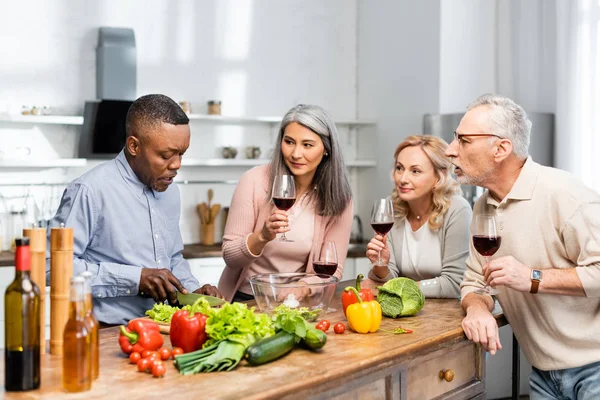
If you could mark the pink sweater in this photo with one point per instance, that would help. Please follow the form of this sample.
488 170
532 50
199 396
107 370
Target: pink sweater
249 209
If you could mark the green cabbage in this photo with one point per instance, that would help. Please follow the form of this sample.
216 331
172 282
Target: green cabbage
400 297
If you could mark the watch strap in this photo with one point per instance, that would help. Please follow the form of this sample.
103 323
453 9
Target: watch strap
535 284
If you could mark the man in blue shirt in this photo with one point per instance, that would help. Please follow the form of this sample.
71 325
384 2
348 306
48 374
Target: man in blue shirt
125 217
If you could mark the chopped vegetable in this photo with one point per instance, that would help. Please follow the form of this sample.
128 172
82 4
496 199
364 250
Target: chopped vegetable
291 301
399 330
364 316
400 297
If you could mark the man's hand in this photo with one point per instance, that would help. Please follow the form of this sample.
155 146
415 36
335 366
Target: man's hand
480 326
209 290
160 284
508 272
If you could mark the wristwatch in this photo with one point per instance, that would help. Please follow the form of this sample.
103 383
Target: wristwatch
536 278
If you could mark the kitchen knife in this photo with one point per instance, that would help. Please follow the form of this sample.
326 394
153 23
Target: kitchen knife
190 298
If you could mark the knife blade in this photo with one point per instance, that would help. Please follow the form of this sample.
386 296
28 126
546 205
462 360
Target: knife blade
190 298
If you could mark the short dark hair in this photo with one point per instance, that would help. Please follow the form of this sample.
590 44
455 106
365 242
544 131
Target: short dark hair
151 110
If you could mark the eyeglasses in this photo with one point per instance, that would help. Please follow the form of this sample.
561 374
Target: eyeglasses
459 137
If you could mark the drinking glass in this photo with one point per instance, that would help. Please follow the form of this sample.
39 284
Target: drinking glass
325 262
487 242
325 259
382 220
284 196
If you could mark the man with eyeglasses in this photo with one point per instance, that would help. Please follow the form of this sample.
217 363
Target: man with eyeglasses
547 269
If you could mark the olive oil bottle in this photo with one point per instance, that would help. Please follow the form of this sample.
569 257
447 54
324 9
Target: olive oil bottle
22 325
77 350
92 323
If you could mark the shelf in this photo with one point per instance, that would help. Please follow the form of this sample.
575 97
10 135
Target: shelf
43 119
51 163
186 162
262 120
78 120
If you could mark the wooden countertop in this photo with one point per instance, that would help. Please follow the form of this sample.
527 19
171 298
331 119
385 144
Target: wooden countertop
198 251
301 373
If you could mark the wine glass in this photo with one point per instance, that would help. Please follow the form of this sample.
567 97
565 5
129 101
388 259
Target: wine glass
487 242
284 196
325 259
382 220
325 262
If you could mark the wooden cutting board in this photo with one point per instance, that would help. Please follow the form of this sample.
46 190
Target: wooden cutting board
163 326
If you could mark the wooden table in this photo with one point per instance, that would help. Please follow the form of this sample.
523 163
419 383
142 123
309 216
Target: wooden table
370 366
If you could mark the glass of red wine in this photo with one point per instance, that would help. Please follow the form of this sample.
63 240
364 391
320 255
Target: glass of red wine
325 259
487 242
382 220
284 196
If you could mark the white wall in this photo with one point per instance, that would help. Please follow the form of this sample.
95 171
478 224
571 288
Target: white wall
467 52
258 57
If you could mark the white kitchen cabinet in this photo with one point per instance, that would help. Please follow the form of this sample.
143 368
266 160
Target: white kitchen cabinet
207 270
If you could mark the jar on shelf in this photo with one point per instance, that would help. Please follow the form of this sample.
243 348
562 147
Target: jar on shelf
214 107
186 106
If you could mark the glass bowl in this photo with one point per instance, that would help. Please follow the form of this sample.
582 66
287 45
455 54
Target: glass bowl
313 291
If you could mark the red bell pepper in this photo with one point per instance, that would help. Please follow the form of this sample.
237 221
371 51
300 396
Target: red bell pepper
140 335
348 297
188 330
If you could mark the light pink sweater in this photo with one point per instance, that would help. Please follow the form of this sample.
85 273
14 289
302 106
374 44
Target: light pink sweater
249 209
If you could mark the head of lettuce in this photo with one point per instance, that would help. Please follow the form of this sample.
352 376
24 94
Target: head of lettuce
400 297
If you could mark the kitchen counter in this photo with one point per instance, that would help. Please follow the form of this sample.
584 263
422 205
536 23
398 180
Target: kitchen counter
374 366
355 250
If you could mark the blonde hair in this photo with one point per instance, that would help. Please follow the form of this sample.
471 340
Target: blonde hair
444 189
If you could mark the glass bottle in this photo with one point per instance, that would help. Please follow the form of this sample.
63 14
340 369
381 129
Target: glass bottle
92 323
77 374
22 325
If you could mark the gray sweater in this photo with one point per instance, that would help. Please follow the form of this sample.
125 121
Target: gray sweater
454 241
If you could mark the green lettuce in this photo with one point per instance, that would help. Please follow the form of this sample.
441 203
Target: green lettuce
400 297
237 323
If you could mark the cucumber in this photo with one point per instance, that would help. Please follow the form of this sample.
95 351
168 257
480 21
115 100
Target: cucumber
315 339
271 348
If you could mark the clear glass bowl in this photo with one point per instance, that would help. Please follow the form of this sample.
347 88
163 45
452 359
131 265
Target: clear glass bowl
313 291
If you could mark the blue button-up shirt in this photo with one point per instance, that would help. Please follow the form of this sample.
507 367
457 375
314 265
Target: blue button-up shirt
121 226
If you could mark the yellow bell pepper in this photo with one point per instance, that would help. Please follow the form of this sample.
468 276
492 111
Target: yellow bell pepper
364 316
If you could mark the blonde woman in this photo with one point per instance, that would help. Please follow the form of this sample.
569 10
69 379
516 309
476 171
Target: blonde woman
430 238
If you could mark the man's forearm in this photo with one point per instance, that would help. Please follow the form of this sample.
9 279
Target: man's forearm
561 281
477 300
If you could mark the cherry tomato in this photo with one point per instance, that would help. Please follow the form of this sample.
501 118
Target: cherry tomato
145 353
158 369
176 351
326 324
339 328
143 364
165 353
135 357
321 327
153 355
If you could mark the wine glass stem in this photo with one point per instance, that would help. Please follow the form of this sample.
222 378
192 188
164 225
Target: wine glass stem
487 261
379 260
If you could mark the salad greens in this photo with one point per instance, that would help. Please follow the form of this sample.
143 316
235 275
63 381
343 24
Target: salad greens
161 312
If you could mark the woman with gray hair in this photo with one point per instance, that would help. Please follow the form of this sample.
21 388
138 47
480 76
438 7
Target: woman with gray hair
307 148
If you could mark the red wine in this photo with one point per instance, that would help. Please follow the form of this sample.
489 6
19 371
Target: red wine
22 369
323 267
382 227
486 245
284 203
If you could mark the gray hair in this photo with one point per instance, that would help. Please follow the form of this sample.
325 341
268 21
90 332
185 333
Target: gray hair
508 120
333 191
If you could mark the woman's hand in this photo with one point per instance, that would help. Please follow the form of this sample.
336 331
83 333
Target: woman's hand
377 244
276 223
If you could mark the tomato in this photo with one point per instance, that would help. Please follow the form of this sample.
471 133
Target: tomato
176 351
153 355
145 353
339 328
326 324
165 353
158 369
134 357
321 327
143 364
